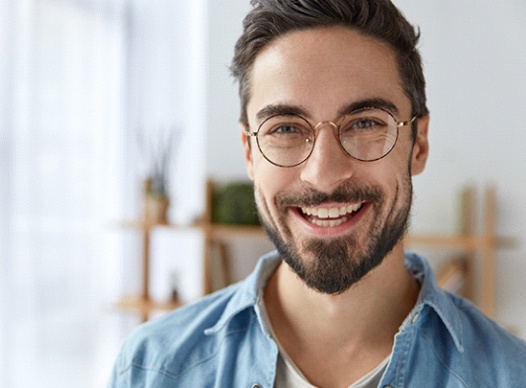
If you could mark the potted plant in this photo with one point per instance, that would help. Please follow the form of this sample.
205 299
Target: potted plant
158 154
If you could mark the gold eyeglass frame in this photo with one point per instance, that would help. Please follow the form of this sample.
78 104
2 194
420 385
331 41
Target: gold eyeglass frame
314 128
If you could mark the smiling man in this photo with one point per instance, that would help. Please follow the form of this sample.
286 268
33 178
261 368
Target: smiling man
334 126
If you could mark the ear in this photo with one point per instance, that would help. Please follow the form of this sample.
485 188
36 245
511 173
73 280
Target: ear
247 146
421 146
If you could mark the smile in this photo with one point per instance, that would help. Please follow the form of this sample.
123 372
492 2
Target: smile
330 217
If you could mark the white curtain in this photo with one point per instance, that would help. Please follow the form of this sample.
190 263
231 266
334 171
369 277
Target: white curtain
62 153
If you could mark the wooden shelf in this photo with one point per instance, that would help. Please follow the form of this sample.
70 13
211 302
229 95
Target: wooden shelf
144 307
216 230
465 243
220 232
141 225
225 231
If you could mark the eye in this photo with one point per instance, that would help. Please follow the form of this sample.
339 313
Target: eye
364 124
286 129
285 126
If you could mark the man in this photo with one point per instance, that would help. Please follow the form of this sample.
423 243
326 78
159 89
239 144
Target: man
334 125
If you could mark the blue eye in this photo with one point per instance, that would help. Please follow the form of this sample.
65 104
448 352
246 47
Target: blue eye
285 126
365 124
285 129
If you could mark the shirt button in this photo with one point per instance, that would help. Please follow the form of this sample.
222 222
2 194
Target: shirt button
388 386
257 386
415 318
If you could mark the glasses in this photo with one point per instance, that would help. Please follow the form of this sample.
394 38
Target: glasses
366 134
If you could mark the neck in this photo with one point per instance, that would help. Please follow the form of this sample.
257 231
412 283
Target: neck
360 323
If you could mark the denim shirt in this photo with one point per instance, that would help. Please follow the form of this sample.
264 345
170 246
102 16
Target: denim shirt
222 341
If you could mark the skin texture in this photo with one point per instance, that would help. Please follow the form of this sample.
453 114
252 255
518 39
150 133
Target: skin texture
329 299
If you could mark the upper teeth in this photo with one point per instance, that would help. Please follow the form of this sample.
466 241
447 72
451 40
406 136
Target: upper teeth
333 212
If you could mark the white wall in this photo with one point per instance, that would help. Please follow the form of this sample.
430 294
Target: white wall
475 56
224 158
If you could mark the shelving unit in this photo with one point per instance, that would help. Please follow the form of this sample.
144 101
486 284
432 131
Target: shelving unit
475 249
467 241
142 303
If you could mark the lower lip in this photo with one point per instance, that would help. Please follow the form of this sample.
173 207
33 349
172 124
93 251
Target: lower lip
332 231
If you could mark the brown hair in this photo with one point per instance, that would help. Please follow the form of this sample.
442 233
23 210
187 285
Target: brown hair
380 19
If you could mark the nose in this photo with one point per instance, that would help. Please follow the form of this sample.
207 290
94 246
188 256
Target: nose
328 165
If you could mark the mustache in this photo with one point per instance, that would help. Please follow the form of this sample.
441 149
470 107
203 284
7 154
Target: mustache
345 193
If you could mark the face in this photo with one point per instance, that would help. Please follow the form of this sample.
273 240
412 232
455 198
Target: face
333 218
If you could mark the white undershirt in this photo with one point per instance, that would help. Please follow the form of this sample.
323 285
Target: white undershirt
288 375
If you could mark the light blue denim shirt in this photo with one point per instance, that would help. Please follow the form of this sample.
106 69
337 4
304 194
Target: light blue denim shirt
222 341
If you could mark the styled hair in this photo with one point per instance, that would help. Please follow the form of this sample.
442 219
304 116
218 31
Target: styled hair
380 19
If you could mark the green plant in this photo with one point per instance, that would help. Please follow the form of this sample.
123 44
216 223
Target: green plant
234 203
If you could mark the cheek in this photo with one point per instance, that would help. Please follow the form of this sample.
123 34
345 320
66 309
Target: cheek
269 181
397 166
393 174
400 183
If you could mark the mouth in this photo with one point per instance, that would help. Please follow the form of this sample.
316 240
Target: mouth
330 217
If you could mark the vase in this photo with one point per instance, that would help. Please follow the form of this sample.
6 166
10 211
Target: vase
156 209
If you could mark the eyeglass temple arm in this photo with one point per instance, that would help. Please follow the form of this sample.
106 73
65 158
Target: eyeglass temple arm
404 123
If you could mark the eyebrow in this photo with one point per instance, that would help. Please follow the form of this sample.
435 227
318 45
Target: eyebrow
370 103
281 109
286 110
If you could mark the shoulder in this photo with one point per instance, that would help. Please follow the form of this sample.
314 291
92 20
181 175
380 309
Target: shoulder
483 331
468 329
457 345
175 343
488 347
188 346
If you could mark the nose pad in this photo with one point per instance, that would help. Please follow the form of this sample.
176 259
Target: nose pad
329 164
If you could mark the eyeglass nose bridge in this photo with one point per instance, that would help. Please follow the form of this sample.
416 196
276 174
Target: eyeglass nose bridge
333 125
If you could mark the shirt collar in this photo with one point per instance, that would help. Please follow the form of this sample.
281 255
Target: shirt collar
251 291
433 296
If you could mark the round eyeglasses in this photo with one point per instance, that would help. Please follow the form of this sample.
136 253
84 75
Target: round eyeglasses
366 134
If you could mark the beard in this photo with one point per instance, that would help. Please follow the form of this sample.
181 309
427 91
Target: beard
337 264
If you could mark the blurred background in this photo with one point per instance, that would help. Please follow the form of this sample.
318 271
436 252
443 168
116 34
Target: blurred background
97 96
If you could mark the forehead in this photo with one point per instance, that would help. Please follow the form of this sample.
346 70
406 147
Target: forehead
323 70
